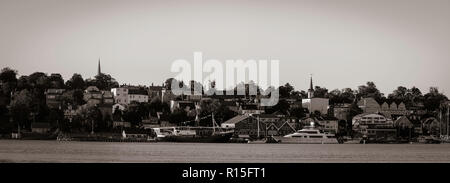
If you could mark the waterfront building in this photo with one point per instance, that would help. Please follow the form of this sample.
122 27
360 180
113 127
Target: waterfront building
121 124
374 125
40 127
405 128
369 105
431 126
247 126
231 123
392 110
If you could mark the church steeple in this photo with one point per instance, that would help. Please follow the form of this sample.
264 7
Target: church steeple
311 88
99 69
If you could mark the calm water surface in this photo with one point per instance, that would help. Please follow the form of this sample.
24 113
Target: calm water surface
54 151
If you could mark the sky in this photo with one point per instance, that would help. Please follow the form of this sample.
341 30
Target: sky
342 43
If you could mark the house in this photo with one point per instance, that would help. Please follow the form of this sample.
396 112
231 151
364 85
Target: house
119 107
70 112
155 91
341 111
232 122
250 109
53 98
40 127
247 126
121 124
125 95
405 128
139 95
369 105
104 100
182 104
431 126
93 96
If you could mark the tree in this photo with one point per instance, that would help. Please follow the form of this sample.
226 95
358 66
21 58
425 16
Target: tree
320 92
76 82
369 90
178 117
20 108
298 112
38 80
354 110
433 99
56 81
9 80
93 117
5 125
347 95
282 106
286 90
335 97
103 82
56 117
156 105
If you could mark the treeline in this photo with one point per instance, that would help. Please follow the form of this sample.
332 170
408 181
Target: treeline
23 100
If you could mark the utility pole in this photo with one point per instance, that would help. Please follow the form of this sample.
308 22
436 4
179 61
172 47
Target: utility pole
92 126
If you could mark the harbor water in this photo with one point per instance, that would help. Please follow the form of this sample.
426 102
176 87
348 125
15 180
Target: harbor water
71 151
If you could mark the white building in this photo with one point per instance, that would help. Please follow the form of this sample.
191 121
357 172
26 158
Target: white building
127 95
120 96
315 104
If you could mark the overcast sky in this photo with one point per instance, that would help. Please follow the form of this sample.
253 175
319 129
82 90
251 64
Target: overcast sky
343 43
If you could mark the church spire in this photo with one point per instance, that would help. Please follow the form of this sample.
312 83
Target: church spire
311 88
99 69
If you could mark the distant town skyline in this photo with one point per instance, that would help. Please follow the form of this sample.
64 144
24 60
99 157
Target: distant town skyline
343 44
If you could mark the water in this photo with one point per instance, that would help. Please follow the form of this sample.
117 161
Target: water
54 151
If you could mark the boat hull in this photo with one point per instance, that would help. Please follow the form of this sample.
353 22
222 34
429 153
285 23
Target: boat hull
217 138
290 140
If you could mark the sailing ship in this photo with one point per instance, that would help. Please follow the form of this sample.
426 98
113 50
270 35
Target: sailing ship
214 134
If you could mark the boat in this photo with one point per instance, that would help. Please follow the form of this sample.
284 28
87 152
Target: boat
309 135
428 140
349 140
267 140
214 134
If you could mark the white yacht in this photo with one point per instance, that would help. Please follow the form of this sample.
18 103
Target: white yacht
309 135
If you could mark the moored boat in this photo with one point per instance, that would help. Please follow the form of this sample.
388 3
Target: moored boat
214 134
309 135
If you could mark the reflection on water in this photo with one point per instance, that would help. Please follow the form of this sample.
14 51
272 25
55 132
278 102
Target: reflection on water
54 151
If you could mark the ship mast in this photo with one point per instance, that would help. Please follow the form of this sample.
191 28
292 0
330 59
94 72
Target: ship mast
213 123
258 125
440 121
448 113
